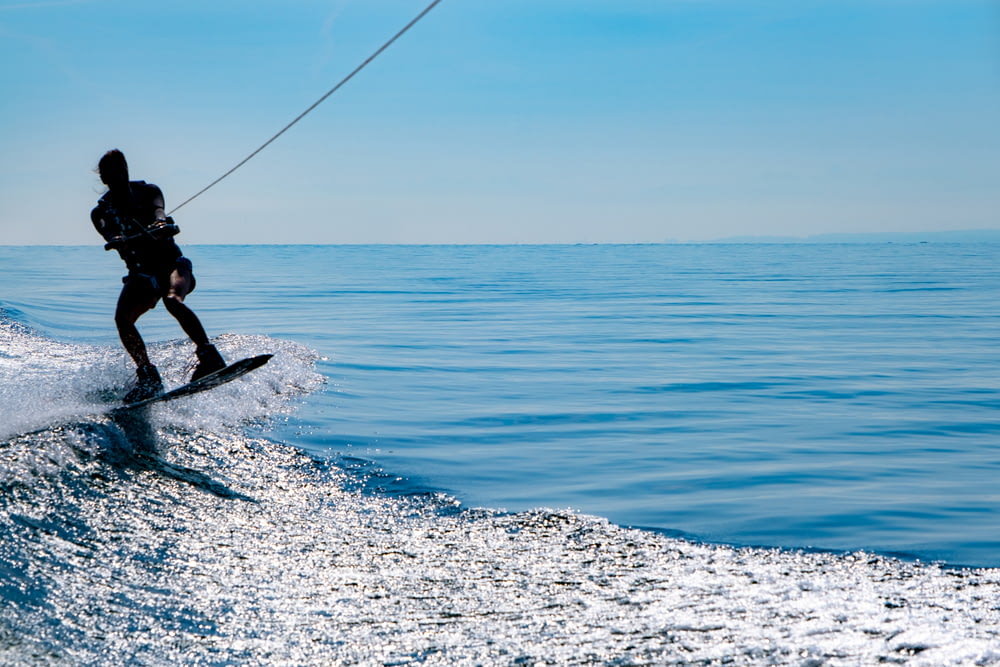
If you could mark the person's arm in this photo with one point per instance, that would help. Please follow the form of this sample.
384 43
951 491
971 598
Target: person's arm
111 232
159 212
164 226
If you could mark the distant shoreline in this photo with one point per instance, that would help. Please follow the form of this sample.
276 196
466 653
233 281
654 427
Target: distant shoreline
963 236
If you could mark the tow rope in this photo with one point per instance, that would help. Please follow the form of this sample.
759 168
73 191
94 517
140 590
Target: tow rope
313 106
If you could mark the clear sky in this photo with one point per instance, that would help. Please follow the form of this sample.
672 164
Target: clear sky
506 121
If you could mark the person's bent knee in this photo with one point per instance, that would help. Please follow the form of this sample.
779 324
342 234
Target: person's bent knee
173 301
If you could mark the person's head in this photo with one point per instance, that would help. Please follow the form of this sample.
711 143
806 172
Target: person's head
113 169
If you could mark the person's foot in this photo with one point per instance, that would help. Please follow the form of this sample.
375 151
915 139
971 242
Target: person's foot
148 384
209 361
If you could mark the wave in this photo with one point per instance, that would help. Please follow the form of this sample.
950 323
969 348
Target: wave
184 537
45 382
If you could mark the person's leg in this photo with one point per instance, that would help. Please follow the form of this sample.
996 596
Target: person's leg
181 282
137 297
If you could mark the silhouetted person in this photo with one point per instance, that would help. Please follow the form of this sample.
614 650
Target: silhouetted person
130 216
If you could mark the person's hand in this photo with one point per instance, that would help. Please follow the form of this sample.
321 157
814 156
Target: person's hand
115 243
165 228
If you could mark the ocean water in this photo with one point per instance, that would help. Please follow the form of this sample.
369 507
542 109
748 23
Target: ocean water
498 455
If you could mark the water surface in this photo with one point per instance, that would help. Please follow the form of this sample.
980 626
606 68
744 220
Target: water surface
324 508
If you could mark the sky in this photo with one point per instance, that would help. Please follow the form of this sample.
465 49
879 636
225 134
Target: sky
513 121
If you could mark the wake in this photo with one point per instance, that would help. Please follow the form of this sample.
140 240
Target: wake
47 384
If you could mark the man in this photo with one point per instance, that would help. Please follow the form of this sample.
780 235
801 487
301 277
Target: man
130 216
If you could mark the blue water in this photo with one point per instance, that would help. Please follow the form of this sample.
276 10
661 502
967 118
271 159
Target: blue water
831 398
795 395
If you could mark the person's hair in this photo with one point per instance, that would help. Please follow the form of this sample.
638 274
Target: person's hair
112 158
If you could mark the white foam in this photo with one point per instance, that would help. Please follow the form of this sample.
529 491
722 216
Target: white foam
45 383
291 568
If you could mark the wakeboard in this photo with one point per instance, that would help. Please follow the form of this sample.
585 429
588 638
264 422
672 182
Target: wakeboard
210 381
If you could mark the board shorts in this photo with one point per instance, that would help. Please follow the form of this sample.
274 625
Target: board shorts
159 282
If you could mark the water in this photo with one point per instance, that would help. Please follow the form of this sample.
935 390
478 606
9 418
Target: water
510 455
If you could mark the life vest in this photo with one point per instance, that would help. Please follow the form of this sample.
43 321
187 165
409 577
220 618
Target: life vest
145 253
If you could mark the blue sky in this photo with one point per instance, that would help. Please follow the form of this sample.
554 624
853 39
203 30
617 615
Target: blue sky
518 121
